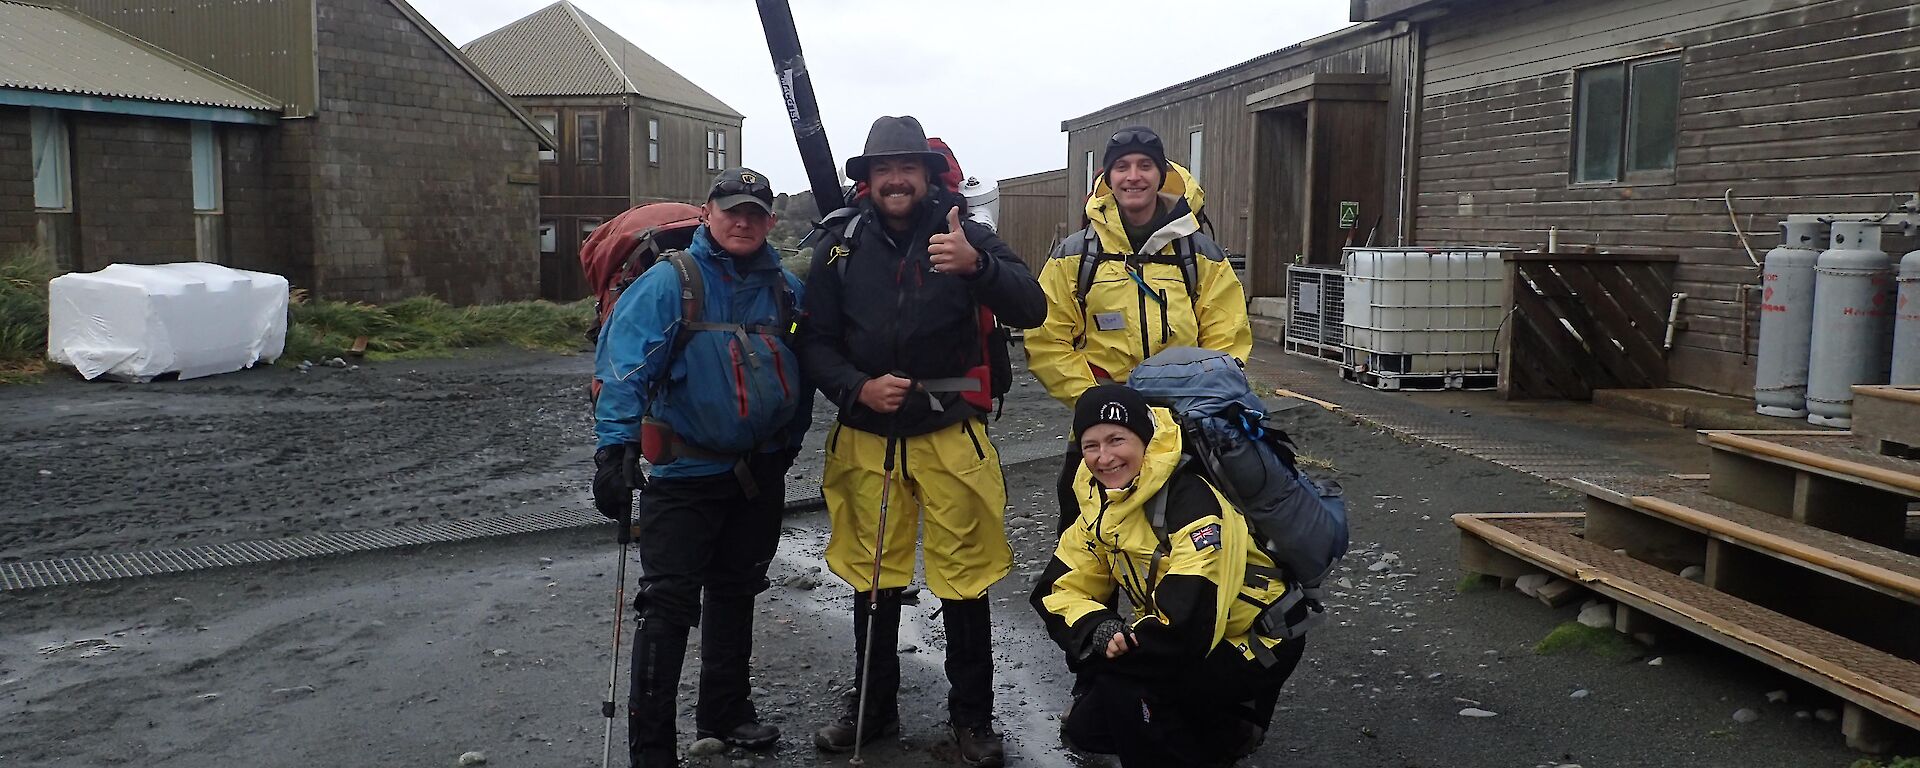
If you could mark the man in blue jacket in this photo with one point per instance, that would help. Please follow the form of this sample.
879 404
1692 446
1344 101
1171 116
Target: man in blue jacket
695 356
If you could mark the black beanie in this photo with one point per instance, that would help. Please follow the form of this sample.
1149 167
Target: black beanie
1113 404
1138 138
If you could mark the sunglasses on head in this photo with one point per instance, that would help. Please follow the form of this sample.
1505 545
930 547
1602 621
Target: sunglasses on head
735 187
1140 136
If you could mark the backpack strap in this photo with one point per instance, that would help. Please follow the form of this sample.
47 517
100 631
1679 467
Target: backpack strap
693 297
1189 270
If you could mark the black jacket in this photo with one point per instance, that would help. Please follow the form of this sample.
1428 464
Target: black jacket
892 314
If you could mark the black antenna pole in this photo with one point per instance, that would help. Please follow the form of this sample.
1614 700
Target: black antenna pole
796 88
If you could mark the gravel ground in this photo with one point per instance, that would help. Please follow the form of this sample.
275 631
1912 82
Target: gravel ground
415 657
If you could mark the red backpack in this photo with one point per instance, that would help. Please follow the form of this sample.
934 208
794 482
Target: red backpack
620 250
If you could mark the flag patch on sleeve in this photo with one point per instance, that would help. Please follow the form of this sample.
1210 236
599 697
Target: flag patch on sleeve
1207 536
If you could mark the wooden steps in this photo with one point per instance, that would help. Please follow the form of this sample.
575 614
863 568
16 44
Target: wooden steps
1797 542
1878 687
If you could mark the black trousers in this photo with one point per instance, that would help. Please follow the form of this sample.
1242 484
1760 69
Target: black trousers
704 552
1184 715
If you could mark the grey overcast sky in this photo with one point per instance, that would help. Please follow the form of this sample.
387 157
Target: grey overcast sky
992 77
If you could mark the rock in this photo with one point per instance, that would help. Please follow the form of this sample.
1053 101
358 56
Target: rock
1657 661
1531 583
1579 694
1693 573
473 758
1379 565
1825 715
1776 697
336 362
1477 712
1598 616
1745 716
46 473
294 691
707 747
546 561
1803 715
499 652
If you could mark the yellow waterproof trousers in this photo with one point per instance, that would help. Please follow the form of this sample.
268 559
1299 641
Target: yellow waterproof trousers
950 479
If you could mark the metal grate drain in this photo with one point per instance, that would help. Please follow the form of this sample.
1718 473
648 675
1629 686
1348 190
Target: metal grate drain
803 495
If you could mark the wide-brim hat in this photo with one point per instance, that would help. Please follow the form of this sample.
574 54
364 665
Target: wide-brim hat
896 137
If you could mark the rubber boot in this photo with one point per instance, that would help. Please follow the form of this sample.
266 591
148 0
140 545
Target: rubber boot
725 709
883 693
969 625
659 651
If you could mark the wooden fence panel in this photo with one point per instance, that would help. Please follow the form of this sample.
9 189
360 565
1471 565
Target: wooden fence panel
1577 323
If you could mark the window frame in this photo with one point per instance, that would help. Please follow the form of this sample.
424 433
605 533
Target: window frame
547 241
716 150
202 133
580 156
44 124
653 141
542 119
1091 175
1196 149
1624 176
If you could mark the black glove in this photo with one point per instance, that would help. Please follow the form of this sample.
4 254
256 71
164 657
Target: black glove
616 474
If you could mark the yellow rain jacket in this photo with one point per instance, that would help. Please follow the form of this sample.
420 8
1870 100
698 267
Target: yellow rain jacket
1136 303
1188 595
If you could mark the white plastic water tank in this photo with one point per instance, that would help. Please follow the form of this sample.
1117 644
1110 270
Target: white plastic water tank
1786 321
1853 298
1423 311
1906 323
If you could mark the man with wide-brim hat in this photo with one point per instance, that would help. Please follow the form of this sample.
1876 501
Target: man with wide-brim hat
892 336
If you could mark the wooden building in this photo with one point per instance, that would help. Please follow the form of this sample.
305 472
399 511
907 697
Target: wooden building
343 144
1625 125
1278 144
630 129
1031 214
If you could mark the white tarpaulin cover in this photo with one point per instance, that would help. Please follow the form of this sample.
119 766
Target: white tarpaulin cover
135 322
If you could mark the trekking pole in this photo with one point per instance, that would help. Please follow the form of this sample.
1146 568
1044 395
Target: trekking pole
873 602
608 708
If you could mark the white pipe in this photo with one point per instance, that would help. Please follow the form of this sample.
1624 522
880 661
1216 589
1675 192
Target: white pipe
1673 319
1736 229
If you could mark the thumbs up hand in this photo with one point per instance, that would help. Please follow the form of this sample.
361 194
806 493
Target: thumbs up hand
950 252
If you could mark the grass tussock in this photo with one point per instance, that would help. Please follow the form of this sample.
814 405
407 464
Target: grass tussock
23 313
428 327
1574 637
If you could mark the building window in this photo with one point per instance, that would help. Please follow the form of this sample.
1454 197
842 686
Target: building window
586 138
52 161
551 124
653 141
716 150
548 242
1194 147
206 168
1090 173
587 226
1625 118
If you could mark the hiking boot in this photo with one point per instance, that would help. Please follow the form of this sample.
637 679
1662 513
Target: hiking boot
839 735
979 746
757 737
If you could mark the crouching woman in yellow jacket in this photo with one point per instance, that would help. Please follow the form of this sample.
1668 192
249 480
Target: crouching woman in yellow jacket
1183 680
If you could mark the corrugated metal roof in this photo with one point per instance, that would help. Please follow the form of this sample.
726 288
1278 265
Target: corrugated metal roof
47 49
561 51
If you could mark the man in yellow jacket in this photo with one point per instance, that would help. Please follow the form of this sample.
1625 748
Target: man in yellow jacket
1140 278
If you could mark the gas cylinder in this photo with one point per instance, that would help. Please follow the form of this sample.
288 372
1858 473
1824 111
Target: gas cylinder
1853 298
1786 320
1906 323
